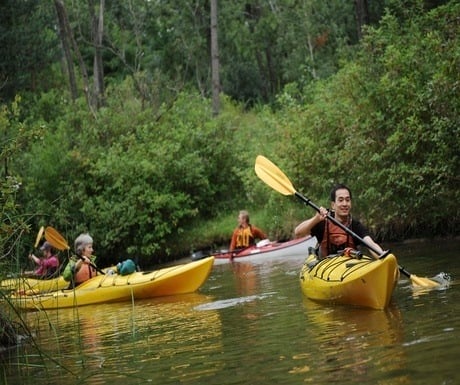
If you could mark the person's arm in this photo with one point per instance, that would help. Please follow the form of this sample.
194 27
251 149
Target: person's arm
364 233
84 260
304 228
373 244
258 233
34 258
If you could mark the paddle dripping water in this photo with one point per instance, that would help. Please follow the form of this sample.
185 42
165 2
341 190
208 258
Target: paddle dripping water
443 279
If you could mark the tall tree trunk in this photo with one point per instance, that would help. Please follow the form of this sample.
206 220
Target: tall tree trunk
311 51
215 61
67 33
98 68
361 15
64 32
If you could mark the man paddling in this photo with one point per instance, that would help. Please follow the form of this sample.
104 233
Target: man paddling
331 237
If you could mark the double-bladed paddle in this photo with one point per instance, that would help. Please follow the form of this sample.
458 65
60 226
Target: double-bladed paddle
277 180
59 242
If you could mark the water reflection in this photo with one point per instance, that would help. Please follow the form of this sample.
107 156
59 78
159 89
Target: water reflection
251 324
246 278
353 344
93 341
251 277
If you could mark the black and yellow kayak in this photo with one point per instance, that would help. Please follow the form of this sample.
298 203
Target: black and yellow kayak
341 279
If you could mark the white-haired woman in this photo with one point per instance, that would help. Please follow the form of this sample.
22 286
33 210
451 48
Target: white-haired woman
82 266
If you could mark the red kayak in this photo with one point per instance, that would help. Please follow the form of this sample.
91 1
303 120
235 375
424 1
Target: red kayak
266 249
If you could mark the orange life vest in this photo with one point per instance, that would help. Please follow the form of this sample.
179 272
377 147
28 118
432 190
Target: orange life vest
85 272
334 239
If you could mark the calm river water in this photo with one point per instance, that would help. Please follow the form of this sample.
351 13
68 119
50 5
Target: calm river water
250 324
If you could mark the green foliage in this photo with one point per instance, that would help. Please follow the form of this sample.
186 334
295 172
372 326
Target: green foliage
265 46
14 221
29 45
152 173
132 181
387 124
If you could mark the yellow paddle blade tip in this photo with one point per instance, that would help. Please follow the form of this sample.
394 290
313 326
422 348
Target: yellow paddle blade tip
39 236
423 282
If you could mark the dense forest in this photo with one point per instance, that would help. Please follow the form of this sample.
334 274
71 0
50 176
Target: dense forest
140 121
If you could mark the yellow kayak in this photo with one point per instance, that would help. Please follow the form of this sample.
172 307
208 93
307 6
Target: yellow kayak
365 282
24 284
180 279
31 285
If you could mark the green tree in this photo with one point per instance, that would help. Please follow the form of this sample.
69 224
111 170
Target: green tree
387 124
15 223
28 46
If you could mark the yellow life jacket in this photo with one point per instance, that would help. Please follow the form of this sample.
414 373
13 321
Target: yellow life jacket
244 237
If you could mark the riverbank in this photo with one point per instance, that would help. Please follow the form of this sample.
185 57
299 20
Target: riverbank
216 234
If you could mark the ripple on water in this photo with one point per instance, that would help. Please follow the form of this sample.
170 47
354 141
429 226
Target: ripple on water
225 303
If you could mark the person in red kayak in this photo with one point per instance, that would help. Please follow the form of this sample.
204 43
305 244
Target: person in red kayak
332 238
245 234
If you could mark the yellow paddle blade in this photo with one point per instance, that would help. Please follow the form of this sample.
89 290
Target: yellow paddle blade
39 236
56 239
423 282
273 176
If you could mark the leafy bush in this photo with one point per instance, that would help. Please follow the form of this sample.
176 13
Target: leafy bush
387 124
